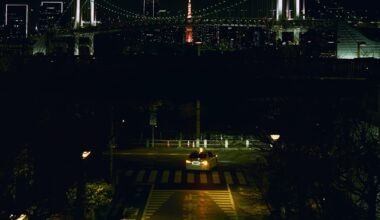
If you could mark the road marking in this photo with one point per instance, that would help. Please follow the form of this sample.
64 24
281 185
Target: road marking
203 178
228 177
215 177
155 201
152 176
178 176
129 173
147 203
224 201
140 176
165 176
190 177
241 178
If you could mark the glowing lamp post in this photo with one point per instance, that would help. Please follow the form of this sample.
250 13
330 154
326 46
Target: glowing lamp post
81 190
85 154
275 137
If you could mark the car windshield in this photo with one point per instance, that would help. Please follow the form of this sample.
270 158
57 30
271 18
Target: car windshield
197 155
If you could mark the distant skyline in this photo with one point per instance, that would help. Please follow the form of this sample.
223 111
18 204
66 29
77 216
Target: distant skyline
179 6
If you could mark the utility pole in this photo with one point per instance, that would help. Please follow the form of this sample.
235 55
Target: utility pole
153 8
198 122
152 136
153 123
112 145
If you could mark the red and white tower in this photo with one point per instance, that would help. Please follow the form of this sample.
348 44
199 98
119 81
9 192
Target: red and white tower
189 16
189 27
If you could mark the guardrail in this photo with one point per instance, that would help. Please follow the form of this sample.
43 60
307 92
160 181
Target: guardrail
223 143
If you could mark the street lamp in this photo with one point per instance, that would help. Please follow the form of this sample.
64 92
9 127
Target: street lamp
81 190
85 154
275 137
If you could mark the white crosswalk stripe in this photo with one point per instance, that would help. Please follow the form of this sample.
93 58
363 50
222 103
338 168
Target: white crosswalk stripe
152 176
140 176
241 178
165 176
129 173
203 178
178 176
228 177
215 177
224 200
189 177
155 201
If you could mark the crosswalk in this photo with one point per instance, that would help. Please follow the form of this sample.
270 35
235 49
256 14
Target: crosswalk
186 177
155 201
195 204
224 200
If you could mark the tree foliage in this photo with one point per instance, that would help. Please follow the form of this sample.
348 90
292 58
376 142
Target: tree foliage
97 196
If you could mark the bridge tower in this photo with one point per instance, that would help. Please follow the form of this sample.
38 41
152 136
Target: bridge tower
292 9
92 13
280 6
80 15
297 5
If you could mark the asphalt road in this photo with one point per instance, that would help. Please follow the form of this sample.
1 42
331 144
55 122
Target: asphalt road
153 185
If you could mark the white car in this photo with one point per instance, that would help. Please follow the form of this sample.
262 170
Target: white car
205 160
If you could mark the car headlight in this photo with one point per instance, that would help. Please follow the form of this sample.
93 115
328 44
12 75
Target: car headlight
204 163
188 161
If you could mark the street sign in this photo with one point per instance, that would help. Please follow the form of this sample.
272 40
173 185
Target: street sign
153 119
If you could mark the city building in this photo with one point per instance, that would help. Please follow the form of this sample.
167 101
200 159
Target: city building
17 20
50 12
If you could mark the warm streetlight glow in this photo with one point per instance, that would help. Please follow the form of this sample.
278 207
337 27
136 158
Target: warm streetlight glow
201 150
22 217
85 154
275 137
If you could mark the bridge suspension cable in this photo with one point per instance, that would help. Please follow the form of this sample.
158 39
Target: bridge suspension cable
116 12
222 9
209 7
120 8
64 12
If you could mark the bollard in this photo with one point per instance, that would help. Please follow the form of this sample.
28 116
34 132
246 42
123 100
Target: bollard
205 143
247 143
226 143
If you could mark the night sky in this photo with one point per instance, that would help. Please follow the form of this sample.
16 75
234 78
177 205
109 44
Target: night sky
175 5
